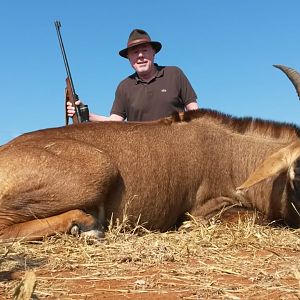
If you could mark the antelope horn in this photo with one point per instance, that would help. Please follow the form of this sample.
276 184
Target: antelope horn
273 165
293 75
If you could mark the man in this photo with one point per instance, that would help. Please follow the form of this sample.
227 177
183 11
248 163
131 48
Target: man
153 91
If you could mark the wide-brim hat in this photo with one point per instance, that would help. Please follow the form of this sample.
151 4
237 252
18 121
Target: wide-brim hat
139 37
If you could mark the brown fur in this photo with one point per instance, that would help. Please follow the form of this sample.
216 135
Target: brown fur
156 172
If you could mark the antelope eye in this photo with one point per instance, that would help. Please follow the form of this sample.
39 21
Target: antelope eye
297 168
297 171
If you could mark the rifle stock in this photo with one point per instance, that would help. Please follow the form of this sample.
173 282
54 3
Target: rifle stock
69 97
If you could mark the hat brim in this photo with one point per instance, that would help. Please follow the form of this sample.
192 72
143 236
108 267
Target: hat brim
156 45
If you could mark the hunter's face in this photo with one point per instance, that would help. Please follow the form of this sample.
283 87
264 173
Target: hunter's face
142 58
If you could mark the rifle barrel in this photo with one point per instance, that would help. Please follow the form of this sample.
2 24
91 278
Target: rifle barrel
58 25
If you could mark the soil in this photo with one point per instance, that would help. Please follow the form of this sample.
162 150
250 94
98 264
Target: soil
213 262
165 281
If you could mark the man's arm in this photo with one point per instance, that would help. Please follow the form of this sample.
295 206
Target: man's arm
192 106
112 117
93 117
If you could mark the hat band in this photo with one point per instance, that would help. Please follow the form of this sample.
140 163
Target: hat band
138 42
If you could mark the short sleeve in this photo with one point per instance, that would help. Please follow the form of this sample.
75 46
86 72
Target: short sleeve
187 93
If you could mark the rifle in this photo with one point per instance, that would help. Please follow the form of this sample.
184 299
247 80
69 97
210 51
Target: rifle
81 111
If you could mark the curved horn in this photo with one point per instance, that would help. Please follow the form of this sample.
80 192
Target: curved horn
273 165
293 75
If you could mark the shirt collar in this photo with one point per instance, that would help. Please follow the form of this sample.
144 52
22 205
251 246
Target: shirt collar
159 73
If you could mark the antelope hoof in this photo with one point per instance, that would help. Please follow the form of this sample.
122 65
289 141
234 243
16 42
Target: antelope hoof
75 230
94 234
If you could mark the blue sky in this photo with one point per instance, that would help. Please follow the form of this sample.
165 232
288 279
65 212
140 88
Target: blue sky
226 48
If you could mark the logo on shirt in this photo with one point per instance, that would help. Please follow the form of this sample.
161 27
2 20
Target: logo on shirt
163 90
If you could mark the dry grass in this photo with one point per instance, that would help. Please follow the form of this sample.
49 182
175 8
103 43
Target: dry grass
214 261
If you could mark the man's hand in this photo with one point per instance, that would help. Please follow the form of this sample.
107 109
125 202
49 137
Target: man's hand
71 108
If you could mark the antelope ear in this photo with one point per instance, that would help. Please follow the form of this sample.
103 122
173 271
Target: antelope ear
273 165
